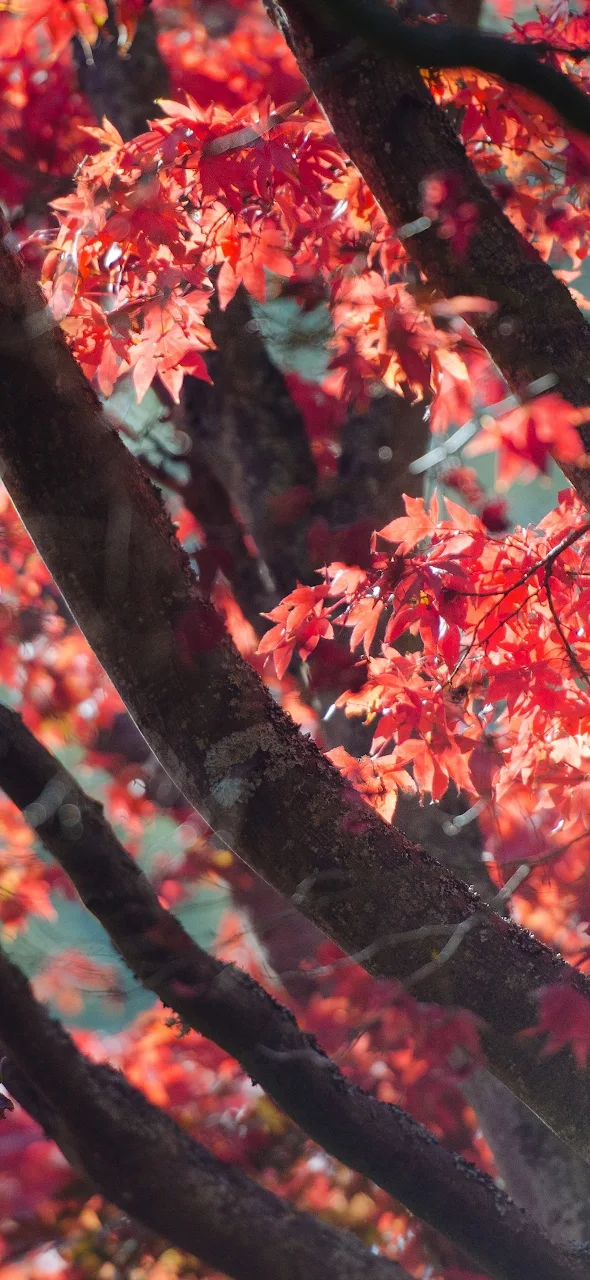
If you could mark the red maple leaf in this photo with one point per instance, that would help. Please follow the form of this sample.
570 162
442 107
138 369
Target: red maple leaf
564 1016
528 436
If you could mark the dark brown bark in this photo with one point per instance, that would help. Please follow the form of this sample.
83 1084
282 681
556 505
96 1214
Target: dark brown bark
144 1163
386 120
458 847
379 25
233 753
380 1141
377 447
363 498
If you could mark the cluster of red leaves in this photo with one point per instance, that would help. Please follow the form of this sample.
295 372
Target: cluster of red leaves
537 171
401 1050
564 1015
46 29
250 192
130 274
496 697
44 661
39 23
225 51
247 190
398 1049
48 672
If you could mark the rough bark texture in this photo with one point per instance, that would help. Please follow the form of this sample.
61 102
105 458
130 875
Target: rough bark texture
225 550
458 847
387 122
234 754
144 1163
378 1140
373 469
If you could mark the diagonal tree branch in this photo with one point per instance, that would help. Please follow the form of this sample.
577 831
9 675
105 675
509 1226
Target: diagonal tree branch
207 500
253 440
234 754
144 1163
378 1140
423 45
386 120
365 485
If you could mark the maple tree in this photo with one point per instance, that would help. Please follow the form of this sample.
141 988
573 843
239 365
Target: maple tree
163 170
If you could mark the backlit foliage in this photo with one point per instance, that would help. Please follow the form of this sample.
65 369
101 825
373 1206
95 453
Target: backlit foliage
470 652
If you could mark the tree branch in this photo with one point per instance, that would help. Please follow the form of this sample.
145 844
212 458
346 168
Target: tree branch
380 1141
387 122
207 500
424 45
264 788
253 438
143 1162
365 488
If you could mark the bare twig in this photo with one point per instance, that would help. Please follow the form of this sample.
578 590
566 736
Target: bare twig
460 437
250 135
464 927
543 567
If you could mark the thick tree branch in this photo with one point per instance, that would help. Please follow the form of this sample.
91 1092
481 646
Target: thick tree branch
234 754
378 24
144 1163
365 491
380 1141
386 120
377 447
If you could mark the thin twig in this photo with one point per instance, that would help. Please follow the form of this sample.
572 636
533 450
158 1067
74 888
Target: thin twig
547 564
576 664
463 434
227 1005
251 134
465 926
